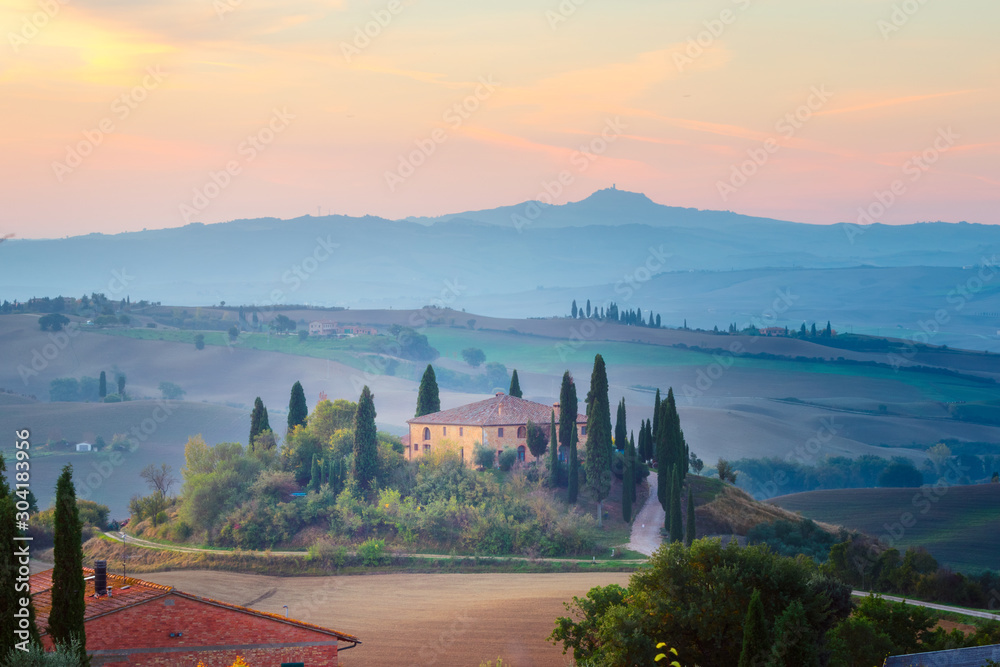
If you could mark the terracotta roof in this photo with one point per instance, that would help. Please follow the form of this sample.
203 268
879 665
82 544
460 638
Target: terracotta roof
138 592
501 410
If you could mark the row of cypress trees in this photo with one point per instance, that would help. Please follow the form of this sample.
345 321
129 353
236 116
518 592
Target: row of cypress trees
65 624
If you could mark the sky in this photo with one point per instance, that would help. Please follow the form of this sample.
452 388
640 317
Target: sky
121 115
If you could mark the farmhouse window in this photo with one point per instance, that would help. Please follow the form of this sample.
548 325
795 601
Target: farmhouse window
500 432
427 433
583 430
520 453
427 448
461 431
522 432
444 430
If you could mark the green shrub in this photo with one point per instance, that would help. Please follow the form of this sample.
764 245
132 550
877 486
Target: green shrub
372 552
508 457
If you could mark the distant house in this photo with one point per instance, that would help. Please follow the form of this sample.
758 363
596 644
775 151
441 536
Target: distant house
322 328
774 331
328 328
499 422
84 447
975 656
133 622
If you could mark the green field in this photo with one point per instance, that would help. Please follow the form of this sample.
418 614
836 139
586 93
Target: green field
958 525
541 354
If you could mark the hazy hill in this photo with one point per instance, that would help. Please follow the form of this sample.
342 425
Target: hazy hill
463 258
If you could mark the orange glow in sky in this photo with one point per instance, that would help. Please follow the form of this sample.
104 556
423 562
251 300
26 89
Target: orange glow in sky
129 115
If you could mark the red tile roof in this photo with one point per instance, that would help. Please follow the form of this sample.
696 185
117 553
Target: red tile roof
138 592
501 410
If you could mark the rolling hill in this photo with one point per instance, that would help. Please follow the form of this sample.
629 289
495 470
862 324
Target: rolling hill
958 525
586 249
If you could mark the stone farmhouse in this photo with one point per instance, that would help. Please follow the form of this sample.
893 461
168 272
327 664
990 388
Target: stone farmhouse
501 421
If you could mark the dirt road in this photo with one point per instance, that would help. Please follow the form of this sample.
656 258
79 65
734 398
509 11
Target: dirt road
645 537
416 619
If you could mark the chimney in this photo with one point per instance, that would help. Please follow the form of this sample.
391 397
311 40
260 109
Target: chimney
101 577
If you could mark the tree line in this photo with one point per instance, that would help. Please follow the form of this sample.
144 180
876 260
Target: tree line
611 313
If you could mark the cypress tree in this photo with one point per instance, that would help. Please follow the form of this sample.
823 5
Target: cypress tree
257 419
515 386
599 447
655 429
689 527
635 469
574 309
755 640
795 642
265 424
298 412
553 453
588 308
365 442
66 617
628 481
316 475
676 527
621 430
812 330
428 400
668 494
567 409
103 385
573 486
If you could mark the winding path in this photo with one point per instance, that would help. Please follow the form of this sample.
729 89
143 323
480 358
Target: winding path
645 537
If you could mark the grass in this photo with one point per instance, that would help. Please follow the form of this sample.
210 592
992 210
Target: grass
552 355
146 559
958 525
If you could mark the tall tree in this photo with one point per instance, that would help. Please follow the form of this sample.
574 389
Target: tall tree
121 384
573 485
553 452
795 642
756 644
567 409
599 448
628 481
536 439
515 386
298 412
621 431
257 419
315 476
574 310
103 385
588 308
66 617
689 526
428 399
676 527
365 442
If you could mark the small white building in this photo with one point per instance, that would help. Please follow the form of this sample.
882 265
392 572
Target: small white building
84 447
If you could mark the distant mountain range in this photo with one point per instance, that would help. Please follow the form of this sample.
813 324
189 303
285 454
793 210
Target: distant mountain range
473 258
